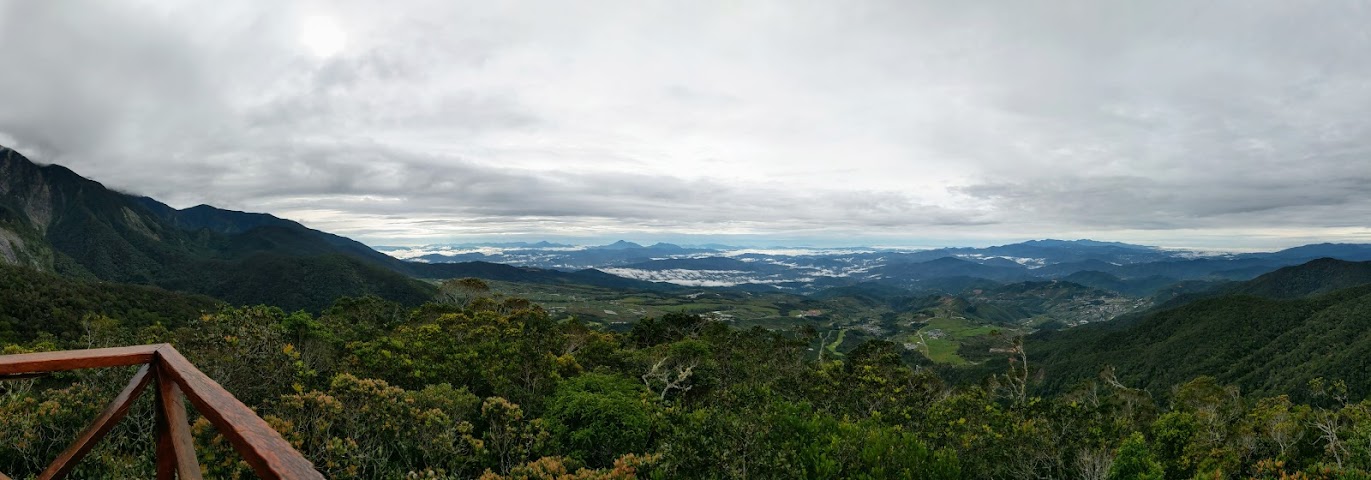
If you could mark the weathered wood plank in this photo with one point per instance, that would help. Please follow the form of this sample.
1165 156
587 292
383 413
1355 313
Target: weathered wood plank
270 456
116 410
76 359
175 447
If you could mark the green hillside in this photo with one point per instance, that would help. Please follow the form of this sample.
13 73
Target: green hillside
1264 344
33 302
54 220
1319 276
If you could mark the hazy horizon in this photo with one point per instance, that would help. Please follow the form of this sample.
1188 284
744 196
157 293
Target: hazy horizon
764 243
1234 125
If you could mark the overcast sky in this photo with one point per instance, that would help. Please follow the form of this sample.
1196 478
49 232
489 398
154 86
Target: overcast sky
1242 124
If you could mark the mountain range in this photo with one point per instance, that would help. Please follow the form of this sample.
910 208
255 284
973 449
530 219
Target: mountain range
53 220
1125 268
1265 321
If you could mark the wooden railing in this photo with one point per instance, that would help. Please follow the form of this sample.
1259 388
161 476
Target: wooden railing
270 456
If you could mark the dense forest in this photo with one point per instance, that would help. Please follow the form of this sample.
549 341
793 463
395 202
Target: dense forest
1266 346
479 385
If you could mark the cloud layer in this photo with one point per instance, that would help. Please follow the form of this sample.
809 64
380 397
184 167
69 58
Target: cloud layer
1235 123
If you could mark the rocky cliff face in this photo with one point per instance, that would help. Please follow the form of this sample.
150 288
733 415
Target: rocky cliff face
10 247
23 182
25 212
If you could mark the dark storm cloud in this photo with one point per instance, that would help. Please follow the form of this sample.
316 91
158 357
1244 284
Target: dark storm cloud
1168 122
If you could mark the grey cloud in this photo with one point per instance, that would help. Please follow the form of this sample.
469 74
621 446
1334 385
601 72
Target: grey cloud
890 119
352 176
1138 202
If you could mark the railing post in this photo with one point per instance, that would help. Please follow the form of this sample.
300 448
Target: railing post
269 455
166 456
175 447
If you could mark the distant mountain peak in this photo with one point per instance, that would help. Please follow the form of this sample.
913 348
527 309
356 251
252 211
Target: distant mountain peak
620 245
949 260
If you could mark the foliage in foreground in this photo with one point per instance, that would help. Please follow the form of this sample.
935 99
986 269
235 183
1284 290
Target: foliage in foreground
492 388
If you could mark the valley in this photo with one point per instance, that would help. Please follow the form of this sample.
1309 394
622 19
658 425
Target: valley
1134 269
934 325
896 338
948 305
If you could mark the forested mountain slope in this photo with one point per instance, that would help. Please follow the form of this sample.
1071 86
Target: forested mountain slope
74 226
1273 343
1319 276
52 219
33 302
